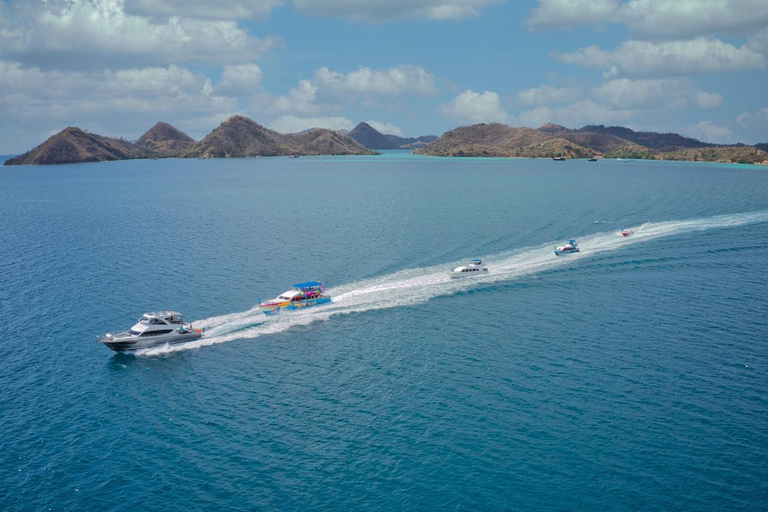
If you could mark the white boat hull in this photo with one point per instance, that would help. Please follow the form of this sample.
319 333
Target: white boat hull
462 275
124 342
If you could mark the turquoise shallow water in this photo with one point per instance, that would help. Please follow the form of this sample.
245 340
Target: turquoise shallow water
632 376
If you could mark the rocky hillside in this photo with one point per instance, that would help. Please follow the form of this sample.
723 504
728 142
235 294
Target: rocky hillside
723 154
591 141
73 145
165 140
371 138
324 142
495 138
239 136
650 140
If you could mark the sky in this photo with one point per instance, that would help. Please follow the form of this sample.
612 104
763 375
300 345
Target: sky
407 67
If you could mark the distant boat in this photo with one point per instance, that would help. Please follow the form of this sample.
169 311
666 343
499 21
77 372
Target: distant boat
593 159
558 158
622 159
569 248
294 156
475 265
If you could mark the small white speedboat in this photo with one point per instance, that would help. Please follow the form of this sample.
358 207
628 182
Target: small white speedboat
569 248
475 268
152 330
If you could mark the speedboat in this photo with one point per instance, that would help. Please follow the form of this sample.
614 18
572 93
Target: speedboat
303 295
569 248
558 158
152 330
627 232
474 268
592 159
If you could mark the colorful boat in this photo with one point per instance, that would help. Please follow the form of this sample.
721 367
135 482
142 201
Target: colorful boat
627 232
303 295
569 248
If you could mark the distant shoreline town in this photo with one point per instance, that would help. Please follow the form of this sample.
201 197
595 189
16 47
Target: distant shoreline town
240 136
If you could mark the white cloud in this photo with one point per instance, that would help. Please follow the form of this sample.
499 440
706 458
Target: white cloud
328 90
89 34
396 81
675 58
757 120
473 107
387 128
118 103
240 79
759 41
547 95
567 14
749 127
707 131
706 100
655 93
576 114
666 19
293 124
205 9
677 19
388 10
300 99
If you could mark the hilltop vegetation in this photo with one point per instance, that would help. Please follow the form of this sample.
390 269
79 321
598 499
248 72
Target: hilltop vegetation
164 140
239 136
236 137
371 138
552 140
73 145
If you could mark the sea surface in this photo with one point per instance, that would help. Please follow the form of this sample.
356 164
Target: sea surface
632 376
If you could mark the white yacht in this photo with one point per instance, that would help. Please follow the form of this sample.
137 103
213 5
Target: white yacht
153 329
475 268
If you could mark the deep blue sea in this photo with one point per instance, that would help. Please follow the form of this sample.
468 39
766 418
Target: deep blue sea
632 376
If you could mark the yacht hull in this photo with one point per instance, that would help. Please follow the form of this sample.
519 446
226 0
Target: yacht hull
464 275
276 309
133 343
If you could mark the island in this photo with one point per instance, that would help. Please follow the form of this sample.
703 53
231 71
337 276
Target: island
592 141
240 136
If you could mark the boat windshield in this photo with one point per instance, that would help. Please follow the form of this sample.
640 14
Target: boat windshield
144 320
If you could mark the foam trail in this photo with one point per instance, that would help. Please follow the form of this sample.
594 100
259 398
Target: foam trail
414 286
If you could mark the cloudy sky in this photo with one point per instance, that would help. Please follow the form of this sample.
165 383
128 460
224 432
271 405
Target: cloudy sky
408 67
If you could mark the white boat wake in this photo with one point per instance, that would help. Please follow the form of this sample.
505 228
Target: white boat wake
414 286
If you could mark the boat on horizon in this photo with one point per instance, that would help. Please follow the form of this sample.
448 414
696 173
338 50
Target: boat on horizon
569 248
558 158
303 295
592 159
153 330
474 268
